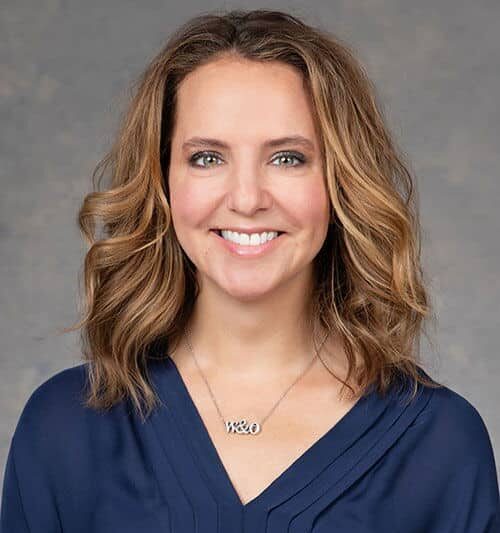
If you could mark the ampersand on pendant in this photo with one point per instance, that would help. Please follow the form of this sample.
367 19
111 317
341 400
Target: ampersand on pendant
242 427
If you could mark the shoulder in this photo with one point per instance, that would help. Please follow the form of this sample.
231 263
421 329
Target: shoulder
56 397
454 429
456 415
449 458
53 414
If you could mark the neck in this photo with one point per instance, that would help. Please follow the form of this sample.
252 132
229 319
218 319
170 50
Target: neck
272 336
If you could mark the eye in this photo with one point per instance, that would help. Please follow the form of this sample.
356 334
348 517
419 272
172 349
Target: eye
290 155
202 156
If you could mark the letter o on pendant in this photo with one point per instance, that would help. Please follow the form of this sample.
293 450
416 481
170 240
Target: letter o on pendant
254 428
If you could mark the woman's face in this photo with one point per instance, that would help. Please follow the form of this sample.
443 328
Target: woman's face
244 182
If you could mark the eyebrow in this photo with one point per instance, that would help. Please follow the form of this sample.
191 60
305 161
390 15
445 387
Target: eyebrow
271 143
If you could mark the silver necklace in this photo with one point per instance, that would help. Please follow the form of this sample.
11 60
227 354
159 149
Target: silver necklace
242 426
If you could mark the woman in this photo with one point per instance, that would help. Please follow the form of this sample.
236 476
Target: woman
254 307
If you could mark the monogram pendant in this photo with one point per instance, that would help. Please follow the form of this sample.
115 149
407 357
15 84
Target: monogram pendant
242 427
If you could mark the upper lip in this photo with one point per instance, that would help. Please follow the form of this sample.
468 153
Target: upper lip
259 229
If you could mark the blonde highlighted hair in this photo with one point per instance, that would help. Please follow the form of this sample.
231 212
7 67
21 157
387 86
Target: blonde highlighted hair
140 286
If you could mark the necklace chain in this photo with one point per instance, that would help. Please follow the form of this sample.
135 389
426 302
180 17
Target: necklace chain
242 426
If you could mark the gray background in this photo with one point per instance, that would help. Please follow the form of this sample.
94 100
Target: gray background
65 72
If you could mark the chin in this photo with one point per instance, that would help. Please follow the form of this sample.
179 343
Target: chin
241 291
247 292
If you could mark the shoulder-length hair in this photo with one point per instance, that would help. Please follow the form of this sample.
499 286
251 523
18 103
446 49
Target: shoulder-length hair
139 284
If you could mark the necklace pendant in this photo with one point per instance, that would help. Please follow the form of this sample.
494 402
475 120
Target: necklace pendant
242 427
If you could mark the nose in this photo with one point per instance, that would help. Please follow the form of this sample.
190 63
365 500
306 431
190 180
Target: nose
247 192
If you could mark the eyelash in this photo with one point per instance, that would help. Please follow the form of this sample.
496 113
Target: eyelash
295 155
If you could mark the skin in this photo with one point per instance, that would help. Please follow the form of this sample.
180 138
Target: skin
247 327
245 103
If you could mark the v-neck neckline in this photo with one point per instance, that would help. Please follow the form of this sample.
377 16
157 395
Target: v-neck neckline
302 471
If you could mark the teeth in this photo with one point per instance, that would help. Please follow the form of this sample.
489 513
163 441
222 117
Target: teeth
249 240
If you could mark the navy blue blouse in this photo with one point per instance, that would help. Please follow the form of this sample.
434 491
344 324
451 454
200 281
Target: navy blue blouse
389 465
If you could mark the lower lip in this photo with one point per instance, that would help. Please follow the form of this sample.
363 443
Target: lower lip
248 250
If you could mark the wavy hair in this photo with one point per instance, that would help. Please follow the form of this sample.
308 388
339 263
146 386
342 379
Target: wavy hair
140 287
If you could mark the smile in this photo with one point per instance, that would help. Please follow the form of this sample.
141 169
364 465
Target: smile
243 247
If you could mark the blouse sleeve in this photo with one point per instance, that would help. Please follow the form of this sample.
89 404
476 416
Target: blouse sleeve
476 506
470 502
445 477
12 517
28 495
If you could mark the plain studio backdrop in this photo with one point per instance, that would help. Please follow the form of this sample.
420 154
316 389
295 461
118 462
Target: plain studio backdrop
66 67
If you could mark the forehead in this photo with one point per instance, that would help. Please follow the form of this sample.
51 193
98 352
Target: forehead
236 95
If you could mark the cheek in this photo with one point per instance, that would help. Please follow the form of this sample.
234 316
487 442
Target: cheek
190 204
308 204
